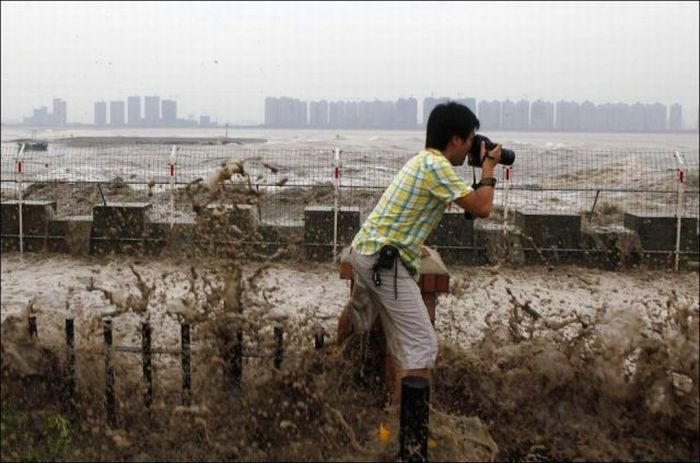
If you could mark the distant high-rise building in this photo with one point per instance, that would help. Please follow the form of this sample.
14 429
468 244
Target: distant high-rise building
336 114
363 111
656 117
469 103
59 112
568 116
428 106
542 115
133 109
100 113
285 112
116 113
508 115
675 121
407 113
40 116
318 113
204 121
490 115
272 116
151 111
351 111
522 115
169 112
588 117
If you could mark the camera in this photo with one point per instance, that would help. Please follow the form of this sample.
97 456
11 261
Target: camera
474 158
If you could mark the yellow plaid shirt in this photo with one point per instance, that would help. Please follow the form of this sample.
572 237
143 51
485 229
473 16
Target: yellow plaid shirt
411 207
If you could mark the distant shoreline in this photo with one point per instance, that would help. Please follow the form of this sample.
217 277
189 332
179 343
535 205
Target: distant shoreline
129 140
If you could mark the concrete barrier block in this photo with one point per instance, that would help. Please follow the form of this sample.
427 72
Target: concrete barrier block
36 215
120 220
455 239
657 232
498 243
70 235
318 229
78 232
453 230
550 230
610 247
175 240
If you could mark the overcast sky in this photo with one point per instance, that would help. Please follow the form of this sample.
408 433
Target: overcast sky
222 59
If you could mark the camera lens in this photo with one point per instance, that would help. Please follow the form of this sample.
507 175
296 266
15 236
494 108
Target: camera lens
507 157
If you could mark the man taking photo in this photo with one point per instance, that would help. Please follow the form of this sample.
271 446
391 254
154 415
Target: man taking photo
386 252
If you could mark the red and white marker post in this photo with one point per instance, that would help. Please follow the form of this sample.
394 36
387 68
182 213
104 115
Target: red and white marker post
506 188
173 152
336 197
681 175
19 180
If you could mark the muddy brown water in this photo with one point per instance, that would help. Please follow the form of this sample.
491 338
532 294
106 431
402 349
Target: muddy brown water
517 394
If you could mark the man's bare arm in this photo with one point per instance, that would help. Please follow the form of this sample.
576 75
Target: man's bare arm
479 201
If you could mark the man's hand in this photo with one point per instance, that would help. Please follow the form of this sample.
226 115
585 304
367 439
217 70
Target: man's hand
493 157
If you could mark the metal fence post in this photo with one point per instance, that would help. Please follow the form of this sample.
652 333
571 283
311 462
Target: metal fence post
413 427
70 373
31 326
19 178
679 206
146 354
233 362
336 197
186 378
110 404
173 153
319 339
279 346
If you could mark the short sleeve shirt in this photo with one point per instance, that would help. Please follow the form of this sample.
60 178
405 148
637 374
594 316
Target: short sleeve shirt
411 207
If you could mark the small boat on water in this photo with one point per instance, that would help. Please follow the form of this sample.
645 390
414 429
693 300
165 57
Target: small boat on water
33 145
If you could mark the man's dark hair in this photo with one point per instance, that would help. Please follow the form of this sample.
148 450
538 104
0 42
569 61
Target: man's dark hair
446 120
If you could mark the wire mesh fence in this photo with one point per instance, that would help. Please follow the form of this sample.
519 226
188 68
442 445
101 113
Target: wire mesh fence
570 181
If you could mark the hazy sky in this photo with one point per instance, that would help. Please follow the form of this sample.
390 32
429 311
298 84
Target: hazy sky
222 59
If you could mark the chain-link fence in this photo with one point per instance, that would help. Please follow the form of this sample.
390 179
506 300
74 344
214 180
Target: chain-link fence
570 181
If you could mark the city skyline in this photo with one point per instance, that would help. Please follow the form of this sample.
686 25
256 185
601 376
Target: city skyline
542 115
121 113
287 112
225 57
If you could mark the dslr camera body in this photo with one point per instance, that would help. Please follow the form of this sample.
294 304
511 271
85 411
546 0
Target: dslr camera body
474 157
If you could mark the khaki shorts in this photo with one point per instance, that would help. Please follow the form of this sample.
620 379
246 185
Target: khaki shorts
409 333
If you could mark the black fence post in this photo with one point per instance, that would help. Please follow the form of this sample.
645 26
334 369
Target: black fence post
109 373
413 428
279 346
70 364
233 363
319 340
185 353
317 366
33 333
147 357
